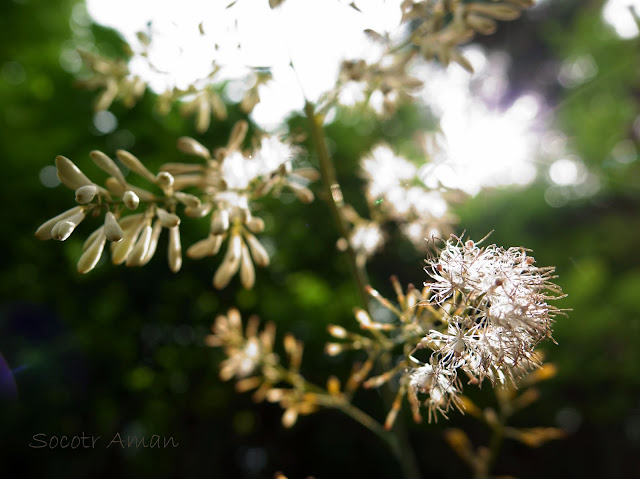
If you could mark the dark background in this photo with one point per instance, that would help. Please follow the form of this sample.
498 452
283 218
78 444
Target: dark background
121 351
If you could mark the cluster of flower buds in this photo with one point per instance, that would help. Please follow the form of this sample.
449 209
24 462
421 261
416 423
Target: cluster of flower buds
484 313
251 360
395 191
439 27
114 80
224 182
200 99
382 84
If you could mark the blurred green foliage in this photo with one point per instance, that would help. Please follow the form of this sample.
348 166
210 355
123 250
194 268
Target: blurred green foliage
121 351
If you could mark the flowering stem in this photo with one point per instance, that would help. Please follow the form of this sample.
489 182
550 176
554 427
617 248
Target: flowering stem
334 197
398 442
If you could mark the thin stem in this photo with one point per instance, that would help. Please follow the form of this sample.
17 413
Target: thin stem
334 197
400 444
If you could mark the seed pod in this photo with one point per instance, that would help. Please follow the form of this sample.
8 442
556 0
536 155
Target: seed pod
92 254
130 199
187 199
112 230
247 271
153 244
220 222
63 229
168 220
107 165
260 255
141 247
85 194
255 225
131 226
192 147
134 164
175 250
206 247
44 231
69 174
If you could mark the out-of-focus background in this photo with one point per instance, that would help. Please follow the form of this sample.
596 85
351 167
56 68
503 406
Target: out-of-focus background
121 351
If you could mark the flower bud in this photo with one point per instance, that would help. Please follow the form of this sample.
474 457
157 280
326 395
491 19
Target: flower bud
164 180
199 212
175 250
131 226
220 222
225 272
92 254
168 220
255 225
69 174
247 271
130 199
107 165
112 230
63 229
192 147
187 199
141 247
206 247
85 194
134 164
153 244
260 255
44 231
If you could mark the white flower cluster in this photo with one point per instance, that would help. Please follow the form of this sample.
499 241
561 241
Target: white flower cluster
495 306
395 189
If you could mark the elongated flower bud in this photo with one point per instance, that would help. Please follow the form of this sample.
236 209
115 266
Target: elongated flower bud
199 212
260 255
135 165
69 174
225 272
112 230
255 225
44 231
206 247
238 133
153 244
63 229
130 200
89 241
220 222
187 199
92 254
85 194
131 225
481 24
247 271
175 250
235 246
168 220
141 247
107 165
192 147
499 11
